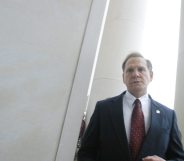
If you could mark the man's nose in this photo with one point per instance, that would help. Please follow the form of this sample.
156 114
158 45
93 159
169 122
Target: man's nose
136 73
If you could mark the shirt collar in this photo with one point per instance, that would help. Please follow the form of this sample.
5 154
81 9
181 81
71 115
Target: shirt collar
130 98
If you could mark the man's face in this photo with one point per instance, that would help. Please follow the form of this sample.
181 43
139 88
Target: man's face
137 76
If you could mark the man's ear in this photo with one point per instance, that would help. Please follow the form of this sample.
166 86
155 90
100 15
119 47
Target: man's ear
123 77
151 75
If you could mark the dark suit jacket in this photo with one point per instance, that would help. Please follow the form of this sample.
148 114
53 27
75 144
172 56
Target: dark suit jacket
105 138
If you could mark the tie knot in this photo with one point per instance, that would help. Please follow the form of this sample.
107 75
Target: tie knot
137 102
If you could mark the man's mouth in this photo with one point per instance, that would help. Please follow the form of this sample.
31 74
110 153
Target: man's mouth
135 82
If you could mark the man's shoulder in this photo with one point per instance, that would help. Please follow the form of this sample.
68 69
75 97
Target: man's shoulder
110 99
115 101
161 106
105 104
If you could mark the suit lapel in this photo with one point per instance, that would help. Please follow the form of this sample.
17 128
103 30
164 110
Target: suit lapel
154 131
116 113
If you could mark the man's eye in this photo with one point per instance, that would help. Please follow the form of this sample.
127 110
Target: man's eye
130 70
141 69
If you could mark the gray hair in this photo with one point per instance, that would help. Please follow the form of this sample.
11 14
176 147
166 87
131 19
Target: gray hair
136 54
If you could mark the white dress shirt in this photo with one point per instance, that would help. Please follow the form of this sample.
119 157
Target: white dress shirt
128 104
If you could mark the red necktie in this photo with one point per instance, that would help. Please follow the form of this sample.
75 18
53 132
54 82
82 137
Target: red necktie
137 131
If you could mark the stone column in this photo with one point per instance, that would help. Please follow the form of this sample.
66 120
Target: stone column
123 33
179 101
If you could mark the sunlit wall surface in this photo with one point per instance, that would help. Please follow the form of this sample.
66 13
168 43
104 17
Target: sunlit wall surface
161 47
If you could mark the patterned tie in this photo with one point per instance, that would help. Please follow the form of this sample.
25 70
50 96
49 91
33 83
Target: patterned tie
137 131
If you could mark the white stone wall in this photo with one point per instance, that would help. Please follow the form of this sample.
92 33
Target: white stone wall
179 101
40 44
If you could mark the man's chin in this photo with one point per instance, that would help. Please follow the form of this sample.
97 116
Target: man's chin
136 86
137 89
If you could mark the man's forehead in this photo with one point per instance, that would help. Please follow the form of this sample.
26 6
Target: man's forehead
134 61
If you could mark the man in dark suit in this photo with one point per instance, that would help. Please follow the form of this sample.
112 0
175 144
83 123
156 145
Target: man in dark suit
109 135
